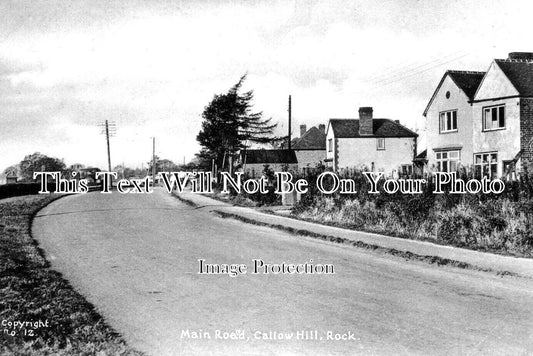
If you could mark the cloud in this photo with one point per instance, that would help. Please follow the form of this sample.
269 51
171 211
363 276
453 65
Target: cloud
152 66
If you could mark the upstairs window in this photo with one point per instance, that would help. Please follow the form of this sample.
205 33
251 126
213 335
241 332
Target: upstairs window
380 143
447 161
494 118
330 145
448 121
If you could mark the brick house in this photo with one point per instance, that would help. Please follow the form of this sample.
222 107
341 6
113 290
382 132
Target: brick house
375 144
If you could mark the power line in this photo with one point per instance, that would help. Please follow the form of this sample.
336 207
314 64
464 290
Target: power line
421 68
403 69
396 79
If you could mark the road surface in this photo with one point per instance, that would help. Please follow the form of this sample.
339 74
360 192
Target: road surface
135 257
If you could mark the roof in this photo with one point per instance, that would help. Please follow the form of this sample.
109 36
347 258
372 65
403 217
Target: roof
269 156
312 139
349 128
519 73
467 81
422 156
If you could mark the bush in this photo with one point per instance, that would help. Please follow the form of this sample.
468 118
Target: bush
18 189
501 223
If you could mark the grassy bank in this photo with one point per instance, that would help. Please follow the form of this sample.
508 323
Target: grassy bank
496 225
30 293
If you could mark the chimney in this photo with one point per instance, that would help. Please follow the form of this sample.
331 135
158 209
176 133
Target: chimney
528 56
303 129
365 121
322 128
397 121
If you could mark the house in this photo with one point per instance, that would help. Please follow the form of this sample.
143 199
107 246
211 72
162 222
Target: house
254 161
310 147
376 144
503 117
449 126
483 120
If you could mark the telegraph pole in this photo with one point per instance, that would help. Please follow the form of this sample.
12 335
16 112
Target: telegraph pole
153 160
290 114
108 149
109 130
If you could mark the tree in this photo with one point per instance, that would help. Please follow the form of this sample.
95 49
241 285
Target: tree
230 125
37 162
10 169
162 165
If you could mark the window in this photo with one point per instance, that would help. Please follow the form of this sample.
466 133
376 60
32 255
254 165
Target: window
447 161
486 165
406 170
494 118
380 143
330 145
448 121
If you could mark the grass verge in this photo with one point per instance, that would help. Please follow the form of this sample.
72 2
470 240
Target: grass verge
439 261
40 312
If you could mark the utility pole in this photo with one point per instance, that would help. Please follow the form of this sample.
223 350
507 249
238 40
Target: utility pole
108 129
153 161
290 114
108 149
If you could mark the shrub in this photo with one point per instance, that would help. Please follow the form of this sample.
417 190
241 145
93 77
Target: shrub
501 222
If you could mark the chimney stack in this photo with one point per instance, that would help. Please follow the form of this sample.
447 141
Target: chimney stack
365 121
322 128
528 56
303 129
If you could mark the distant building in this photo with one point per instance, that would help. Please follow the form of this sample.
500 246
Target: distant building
310 147
12 175
253 161
375 144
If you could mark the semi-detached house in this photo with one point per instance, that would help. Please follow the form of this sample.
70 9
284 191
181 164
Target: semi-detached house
483 120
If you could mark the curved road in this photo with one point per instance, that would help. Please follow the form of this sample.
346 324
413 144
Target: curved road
135 257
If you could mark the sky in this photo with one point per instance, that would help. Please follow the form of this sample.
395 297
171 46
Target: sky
152 66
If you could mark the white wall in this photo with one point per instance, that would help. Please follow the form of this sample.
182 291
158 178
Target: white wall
309 158
495 85
330 154
463 137
507 141
361 152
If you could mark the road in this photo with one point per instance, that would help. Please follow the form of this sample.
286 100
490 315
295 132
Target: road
135 257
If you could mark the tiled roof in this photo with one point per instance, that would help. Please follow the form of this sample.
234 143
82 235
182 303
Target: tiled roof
268 156
467 81
520 73
349 128
313 139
